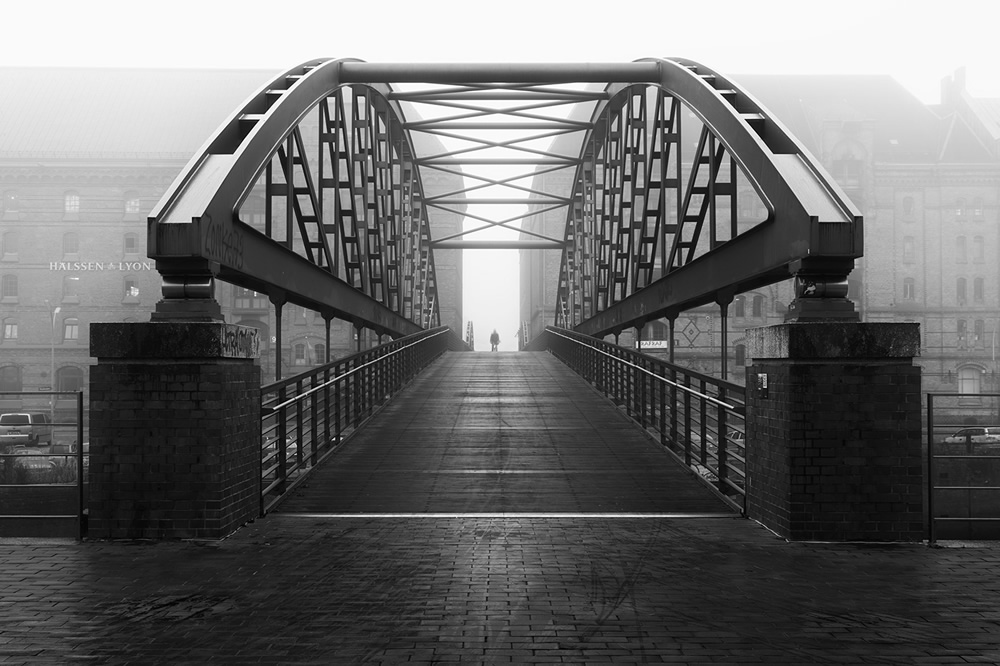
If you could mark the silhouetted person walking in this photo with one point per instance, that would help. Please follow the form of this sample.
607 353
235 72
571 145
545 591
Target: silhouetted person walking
494 340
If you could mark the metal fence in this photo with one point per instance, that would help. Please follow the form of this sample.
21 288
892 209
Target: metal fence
304 418
963 466
698 418
43 468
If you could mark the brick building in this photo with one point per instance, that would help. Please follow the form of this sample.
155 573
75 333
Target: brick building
85 154
926 179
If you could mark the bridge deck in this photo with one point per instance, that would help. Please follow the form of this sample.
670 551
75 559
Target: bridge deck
503 433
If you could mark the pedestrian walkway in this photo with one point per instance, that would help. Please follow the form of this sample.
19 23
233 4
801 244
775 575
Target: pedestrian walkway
502 433
494 568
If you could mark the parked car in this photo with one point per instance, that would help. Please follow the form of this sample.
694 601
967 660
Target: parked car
25 429
976 435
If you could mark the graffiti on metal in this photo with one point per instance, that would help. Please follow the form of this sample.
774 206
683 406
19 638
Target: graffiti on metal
240 342
223 243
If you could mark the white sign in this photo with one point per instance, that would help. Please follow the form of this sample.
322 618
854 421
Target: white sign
654 344
100 266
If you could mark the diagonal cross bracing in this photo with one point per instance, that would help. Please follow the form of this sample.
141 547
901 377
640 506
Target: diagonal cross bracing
648 165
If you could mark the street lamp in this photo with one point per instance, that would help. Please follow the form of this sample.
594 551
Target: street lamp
52 364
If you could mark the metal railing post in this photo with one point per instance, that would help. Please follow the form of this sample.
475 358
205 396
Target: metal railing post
931 536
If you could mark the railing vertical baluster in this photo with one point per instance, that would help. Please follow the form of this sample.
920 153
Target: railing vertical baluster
931 535
663 409
723 444
338 398
280 444
299 426
313 422
326 407
687 421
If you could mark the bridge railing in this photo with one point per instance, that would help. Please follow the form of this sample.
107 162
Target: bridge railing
304 418
43 469
963 466
699 419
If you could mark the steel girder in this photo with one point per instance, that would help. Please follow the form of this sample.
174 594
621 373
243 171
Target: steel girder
334 222
650 234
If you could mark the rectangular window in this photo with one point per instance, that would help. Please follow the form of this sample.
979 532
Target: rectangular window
10 331
909 289
71 329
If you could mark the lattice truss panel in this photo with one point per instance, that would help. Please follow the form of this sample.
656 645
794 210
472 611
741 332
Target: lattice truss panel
676 187
498 136
342 190
655 190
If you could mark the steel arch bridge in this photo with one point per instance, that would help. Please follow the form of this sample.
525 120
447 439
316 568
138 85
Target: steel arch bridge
678 190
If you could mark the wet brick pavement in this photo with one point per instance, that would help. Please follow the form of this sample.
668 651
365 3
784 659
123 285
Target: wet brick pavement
330 580
299 590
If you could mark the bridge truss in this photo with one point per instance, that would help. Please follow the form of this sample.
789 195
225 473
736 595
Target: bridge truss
314 193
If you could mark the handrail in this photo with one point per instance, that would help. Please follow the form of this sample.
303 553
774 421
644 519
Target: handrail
76 470
356 369
961 501
701 430
314 413
653 374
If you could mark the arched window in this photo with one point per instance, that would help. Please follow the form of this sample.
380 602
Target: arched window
757 309
907 205
319 352
978 290
962 328
8 288
299 357
960 292
9 331
130 293
71 329
69 379
71 244
133 204
71 203
70 286
10 242
739 306
970 380
909 249
741 355
10 378
130 244
10 203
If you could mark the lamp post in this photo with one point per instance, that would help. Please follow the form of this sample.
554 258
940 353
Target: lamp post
52 363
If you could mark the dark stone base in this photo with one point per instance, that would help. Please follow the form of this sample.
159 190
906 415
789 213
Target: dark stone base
836 433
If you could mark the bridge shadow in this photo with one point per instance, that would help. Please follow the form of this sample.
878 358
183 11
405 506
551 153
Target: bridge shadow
501 433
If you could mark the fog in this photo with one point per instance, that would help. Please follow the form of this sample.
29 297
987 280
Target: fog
917 43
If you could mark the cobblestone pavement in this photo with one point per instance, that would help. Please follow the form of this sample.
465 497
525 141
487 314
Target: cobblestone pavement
482 570
301 590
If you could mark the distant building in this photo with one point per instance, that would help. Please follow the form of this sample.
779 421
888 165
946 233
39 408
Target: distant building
85 154
926 179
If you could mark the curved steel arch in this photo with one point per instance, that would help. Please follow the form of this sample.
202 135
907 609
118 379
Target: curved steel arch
368 261
812 230
618 227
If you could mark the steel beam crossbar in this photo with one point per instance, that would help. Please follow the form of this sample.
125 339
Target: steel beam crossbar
682 191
